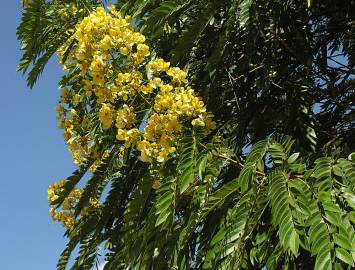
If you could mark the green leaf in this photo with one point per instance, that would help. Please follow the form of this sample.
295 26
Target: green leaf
192 33
349 197
343 255
137 203
165 202
72 181
94 186
201 165
282 212
188 163
323 168
160 15
244 13
227 243
41 34
342 241
218 197
246 177
280 146
323 261
187 177
258 151
293 158
65 255
294 242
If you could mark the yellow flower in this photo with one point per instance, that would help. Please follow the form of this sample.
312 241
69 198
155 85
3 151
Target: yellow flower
164 101
198 122
178 75
64 15
156 82
146 89
107 115
65 95
124 50
146 151
216 139
106 43
166 88
209 123
143 50
205 120
121 134
25 3
100 38
158 65
123 78
167 28
54 190
130 137
125 117
60 112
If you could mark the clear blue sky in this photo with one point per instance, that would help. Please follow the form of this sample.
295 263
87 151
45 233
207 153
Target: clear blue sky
33 156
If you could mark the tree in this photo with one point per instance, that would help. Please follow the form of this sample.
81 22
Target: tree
252 168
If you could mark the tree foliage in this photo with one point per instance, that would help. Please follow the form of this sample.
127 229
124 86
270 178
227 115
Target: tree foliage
273 185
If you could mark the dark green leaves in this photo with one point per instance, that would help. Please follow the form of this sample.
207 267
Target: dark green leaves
187 162
41 35
262 69
234 215
165 203
282 211
293 158
42 32
72 181
246 176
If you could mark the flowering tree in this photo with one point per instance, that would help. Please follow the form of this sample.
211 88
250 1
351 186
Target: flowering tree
183 175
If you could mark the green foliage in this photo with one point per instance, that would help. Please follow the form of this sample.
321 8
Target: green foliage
94 186
187 164
282 214
42 32
252 199
279 214
165 203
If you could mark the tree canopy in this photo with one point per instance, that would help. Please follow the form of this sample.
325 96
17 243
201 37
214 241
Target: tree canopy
215 134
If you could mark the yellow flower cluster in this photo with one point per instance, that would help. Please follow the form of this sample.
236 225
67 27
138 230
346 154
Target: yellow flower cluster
129 137
66 214
25 3
107 115
118 94
99 161
69 119
159 137
67 12
145 102
172 105
125 117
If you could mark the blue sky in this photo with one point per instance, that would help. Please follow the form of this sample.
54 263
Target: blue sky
33 156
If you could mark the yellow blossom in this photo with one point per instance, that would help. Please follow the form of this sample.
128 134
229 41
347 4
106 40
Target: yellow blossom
130 137
60 112
25 3
158 65
204 120
143 50
107 115
100 38
198 122
125 117
178 75
65 95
